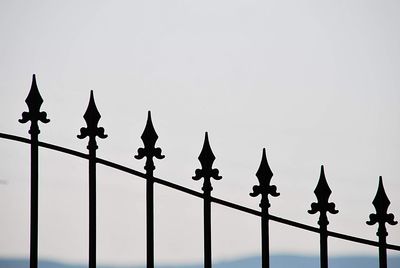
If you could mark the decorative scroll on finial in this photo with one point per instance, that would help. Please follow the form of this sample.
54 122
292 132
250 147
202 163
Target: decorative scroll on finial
149 138
206 159
322 192
381 203
264 175
34 102
92 118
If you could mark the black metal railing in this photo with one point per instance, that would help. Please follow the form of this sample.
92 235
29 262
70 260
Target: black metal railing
206 158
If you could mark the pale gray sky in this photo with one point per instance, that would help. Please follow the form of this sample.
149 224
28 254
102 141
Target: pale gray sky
315 82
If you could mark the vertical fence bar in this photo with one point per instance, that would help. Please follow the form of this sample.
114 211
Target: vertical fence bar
92 203
381 203
323 238
150 220
92 117
207 159
322 192
382 252
34 200
34 101
207 226
264 175
264 238
149 138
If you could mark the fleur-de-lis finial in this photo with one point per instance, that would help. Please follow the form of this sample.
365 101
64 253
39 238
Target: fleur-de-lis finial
149 138
264 175
206 159
92 118
34 102
322 192
381 203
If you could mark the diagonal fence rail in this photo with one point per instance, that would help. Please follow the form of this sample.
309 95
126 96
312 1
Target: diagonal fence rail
206 158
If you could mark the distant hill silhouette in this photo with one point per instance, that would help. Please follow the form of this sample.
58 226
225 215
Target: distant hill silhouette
277 261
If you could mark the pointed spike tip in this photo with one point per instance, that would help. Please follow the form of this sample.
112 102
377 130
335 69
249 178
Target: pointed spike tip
206 140
206 156
381 200
381 203
34 100
34 84
264 172
381 189
92 114
206 143
92 103
91 100
149 138
264 155
149 135
34 87
149 121
322 190
322 175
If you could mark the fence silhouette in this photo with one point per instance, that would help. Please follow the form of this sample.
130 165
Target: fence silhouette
206 172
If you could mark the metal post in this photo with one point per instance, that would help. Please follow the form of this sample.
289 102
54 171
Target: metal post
207 223
149 138
34 201
382 252
92 203
381 203
322 192
264 175
323 244
150 215
92 117
264 238
34 101
207 172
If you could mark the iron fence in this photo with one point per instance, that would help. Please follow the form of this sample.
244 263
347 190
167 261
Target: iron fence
149 151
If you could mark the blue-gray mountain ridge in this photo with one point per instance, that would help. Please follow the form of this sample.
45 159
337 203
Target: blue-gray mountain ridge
277 261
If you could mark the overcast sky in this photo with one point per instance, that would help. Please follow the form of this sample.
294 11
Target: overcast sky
315 82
